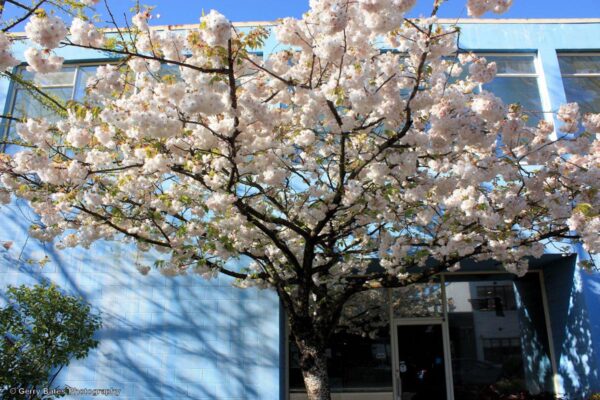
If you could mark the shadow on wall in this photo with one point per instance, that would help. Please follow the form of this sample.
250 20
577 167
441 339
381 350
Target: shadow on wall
571 319
162 338
534 335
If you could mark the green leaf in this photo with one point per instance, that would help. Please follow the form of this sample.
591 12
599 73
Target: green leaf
586 209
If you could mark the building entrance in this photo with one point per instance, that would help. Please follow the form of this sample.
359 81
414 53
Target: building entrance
421 372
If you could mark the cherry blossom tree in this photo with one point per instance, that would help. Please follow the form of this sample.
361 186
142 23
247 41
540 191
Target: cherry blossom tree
298 172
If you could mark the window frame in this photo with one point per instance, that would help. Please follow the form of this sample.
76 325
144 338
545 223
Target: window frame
560 54
532 55
578 75
489 292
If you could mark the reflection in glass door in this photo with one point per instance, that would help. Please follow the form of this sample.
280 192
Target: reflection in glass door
498 336
420 369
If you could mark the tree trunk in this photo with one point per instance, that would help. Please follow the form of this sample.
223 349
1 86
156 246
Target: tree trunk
313 363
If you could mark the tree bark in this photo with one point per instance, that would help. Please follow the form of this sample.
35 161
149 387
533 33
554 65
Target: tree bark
313 363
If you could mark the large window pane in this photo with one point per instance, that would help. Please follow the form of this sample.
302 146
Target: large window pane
521 90
84 74
579 64
422 373
581 79
64 77
357 363
498 336
513 64
26 105
56 85
585 91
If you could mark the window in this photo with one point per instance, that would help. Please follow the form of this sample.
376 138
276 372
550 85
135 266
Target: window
517 82
494 298
496 350
66 84
581 79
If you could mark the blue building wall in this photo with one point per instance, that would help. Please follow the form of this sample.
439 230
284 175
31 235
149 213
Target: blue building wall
162 338
571 318
181 337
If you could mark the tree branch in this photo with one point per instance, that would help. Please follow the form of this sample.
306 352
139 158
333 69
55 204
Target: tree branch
29 13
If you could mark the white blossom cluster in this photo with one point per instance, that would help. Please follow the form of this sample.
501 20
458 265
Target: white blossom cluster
382 16
47 31
85 33
476 8
570 116
140 20
588 228
35 132
480 70
140 65
217 29
108 79
7 60
42 61
591 123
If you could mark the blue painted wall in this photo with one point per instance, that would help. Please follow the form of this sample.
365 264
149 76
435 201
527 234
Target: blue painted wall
175 338
574 339
163 338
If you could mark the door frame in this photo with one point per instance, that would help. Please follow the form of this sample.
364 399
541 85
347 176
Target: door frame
398 322
442 320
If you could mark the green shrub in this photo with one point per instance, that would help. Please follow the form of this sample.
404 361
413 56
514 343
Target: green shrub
41 330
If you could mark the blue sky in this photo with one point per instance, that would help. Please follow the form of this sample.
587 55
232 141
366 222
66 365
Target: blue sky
188 11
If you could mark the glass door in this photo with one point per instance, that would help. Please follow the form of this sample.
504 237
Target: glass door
421 361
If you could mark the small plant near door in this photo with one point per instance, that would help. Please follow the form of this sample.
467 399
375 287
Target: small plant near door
41 331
